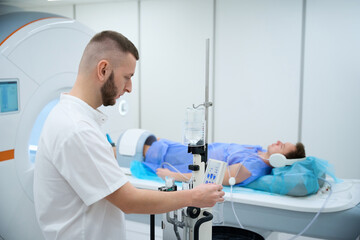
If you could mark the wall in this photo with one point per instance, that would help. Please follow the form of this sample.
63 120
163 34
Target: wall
331 120
279 70
173 35
121 17
257 59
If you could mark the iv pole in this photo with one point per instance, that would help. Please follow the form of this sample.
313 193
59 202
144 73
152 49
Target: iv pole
200 154
204 153
206 104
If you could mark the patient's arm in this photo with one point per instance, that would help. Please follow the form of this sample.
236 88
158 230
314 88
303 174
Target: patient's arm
163 172
242 174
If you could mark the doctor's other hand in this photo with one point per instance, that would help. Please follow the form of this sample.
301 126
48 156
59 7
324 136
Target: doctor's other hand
206 195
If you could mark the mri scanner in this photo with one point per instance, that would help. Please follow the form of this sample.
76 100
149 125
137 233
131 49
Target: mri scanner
39 56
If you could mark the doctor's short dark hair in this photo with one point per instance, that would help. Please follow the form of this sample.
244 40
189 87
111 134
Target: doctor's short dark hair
124 44
298 153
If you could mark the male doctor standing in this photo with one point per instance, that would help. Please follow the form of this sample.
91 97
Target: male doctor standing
79 190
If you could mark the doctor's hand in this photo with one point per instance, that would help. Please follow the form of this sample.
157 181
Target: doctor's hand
206 195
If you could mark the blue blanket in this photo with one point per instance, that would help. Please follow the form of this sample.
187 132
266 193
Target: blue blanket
300 179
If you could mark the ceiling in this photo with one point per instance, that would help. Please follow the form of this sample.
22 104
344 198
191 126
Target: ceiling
34 3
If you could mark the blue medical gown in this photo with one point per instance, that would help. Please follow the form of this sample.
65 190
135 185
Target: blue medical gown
166 151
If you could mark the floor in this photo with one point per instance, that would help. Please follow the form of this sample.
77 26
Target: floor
141 231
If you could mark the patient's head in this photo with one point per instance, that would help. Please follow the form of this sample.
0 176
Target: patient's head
289 150
298 153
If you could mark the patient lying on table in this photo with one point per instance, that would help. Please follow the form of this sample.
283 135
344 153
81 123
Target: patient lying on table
246 162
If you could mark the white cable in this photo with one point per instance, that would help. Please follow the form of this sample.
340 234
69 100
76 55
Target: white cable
317 214
309 224
232 206
231 200
231 188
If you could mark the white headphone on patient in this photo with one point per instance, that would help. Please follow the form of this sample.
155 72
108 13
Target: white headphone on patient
279 160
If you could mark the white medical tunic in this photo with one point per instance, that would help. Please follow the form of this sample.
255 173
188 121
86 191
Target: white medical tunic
75 169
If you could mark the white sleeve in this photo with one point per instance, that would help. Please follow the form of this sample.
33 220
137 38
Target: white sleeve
86 160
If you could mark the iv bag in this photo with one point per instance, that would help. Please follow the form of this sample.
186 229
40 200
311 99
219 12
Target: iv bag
194 127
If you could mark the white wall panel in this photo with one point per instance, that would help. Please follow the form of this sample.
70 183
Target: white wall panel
257 71
331 120
121 17
63 10
173 37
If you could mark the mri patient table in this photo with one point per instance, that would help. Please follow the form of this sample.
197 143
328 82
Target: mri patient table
266 213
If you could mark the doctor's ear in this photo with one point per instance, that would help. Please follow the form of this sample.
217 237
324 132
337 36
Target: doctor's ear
103 70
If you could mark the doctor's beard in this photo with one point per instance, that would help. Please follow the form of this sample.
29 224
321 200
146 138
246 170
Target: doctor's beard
109 91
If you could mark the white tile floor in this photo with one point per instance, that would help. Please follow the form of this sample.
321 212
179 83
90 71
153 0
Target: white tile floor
285 236
141 231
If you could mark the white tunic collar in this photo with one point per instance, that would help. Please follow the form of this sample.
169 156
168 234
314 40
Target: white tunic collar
95 114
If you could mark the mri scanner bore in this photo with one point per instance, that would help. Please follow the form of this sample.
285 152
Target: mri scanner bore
39 54
36 130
